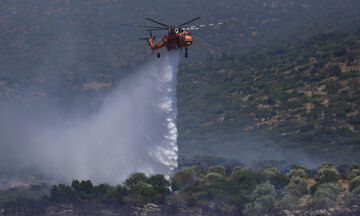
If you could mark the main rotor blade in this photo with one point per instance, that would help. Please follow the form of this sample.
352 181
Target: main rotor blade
201 26
190 21
162 24
140 26
157 29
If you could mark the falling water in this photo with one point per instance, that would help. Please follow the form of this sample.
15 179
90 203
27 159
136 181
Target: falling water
133 131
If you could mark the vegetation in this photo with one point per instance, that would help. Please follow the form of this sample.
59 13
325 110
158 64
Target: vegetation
240 190
266 77
327 173
301 98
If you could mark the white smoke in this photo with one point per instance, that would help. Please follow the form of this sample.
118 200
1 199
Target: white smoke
135 130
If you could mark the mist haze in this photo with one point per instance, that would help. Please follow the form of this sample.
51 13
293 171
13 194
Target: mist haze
60 59
133 130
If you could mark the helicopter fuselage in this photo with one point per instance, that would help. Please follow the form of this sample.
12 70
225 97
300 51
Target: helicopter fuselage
173 40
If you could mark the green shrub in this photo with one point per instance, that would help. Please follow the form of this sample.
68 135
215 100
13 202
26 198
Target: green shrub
262 190
217 169
268 172
352 174
297 186
313 188
262 200
324 197
297 173
262 205
279 181
353 198
214 178
299 167
185 177
327 173
244 180
135 179
288 201
325 165
145 193
239 171
355 182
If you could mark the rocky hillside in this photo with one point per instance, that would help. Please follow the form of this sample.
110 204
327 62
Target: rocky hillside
304 97
296 91
60 49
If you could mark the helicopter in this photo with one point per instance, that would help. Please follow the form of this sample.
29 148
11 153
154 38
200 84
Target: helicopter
177 37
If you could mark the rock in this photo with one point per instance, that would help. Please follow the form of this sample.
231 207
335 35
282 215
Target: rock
287 213
321 212
355 208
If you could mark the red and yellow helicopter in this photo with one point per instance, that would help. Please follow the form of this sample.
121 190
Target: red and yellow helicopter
177 37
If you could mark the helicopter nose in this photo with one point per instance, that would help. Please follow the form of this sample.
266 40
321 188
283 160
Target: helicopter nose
188 40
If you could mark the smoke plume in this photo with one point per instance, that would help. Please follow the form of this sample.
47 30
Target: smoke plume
134 130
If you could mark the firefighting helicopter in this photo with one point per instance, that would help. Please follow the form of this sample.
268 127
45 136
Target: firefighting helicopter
177 37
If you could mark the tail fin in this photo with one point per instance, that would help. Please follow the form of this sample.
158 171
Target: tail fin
151 43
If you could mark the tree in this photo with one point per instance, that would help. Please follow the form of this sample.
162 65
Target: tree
268 172
352 173
263 200
297 173
297 186
355 182
135 179
217 169
214 177
327 173
184 177
324 197
353 198
288 201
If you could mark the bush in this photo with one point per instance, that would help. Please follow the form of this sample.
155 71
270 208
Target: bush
325 165
313 188
244 180
262 190
299 167
352 174
134 180
324 197
185 177
158 181
269 172
279 181
327 173
214 178
217 169
297 186
355 182
297 173
240 171
288 201
263 200
260 206
353 198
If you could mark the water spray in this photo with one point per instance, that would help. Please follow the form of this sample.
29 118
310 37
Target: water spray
133 131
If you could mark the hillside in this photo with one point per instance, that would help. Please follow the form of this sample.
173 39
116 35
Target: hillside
298 103
66 54
215 190
78 46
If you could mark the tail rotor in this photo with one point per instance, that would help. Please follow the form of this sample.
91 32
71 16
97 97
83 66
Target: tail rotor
151 37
